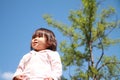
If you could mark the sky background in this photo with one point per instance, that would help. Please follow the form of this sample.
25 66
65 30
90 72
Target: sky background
20 18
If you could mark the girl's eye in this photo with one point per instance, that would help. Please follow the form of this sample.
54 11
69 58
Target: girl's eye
40 36
37 35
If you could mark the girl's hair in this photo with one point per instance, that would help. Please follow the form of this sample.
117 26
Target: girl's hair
51 40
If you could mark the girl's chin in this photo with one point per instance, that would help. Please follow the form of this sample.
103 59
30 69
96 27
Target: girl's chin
37 49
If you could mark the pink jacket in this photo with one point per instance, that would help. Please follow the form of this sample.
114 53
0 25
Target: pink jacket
40 65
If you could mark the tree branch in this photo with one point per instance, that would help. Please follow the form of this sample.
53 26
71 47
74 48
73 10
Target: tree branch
101 54
107 64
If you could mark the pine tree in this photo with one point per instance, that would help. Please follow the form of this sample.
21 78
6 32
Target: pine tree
88 31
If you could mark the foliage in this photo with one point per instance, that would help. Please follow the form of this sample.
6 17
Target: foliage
88 31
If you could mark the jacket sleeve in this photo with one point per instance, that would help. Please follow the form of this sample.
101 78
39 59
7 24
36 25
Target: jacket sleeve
56 66
21 66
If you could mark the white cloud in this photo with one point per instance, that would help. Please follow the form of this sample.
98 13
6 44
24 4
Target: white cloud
6 75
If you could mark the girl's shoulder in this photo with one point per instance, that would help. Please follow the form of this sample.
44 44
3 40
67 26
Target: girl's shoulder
52 53
27 55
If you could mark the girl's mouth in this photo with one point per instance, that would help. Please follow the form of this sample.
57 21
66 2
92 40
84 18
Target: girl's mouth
35 43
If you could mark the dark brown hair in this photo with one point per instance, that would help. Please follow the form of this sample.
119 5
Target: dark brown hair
51 40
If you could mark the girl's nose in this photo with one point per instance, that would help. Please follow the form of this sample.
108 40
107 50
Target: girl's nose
35 39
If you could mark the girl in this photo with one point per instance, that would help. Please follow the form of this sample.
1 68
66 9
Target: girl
43 61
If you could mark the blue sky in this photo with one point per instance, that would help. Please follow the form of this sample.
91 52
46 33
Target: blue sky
20 18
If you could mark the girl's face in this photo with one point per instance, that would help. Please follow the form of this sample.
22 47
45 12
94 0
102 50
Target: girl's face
39 43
